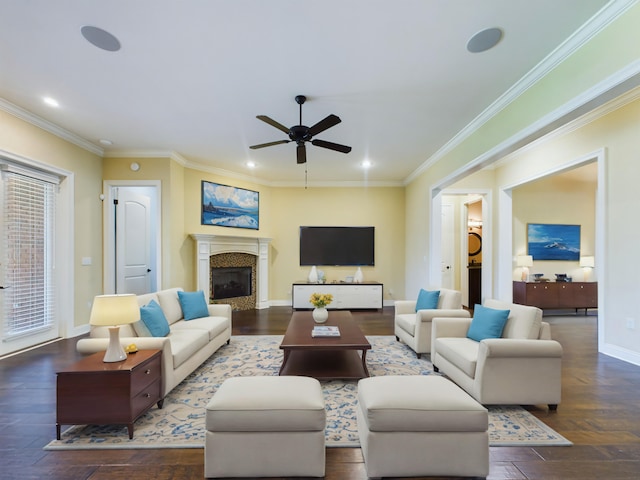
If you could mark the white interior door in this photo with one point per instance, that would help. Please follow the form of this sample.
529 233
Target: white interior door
448 242
133 245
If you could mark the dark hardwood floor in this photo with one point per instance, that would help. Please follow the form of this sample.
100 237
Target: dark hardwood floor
599 413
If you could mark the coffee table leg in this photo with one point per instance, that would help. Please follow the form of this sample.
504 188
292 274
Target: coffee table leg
364 363
284 360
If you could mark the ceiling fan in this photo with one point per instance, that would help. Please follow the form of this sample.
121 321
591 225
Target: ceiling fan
302 134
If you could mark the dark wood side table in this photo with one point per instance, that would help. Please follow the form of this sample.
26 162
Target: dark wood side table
94 392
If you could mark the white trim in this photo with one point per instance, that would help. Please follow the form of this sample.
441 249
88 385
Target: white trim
47 126
620 353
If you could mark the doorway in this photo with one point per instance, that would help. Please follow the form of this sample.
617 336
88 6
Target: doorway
132 237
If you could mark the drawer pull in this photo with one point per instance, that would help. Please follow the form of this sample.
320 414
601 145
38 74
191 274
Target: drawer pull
147 395
148 372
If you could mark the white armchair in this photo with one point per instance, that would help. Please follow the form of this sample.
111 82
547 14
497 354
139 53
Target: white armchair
523 367
414 328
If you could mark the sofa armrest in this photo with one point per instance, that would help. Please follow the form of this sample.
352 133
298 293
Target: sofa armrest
429 315
403 307
519 348
220 310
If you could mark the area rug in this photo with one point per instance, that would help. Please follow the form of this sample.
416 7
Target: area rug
180 423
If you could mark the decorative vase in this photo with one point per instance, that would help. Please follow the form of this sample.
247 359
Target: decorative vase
358 277
313 275
320 315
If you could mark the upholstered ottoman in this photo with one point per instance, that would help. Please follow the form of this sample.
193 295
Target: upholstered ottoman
266 427
421 426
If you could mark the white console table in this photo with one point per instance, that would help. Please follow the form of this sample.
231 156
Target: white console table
346 296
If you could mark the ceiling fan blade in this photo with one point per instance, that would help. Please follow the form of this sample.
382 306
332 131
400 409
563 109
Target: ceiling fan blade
322 125
262 145
331 146
273 123
301 153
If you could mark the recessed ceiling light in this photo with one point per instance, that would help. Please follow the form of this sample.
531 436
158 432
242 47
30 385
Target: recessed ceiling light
105 142
251 164
100 38
366 163
52 102
484 40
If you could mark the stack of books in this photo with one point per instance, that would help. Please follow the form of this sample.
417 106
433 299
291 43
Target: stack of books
325 331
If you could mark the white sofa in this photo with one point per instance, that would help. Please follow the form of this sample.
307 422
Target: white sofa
523 367
185 348
414 328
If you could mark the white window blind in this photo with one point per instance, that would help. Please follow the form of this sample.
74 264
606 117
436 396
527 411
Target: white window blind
28 210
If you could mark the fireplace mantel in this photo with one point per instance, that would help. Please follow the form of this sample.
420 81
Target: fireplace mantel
207 245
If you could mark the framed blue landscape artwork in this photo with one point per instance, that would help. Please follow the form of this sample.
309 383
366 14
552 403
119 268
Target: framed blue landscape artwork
226 206
553 242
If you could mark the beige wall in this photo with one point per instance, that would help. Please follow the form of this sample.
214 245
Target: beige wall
559 201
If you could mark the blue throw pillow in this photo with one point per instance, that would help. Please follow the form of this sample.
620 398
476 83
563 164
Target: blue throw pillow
427 300
193 304
487 323
153 318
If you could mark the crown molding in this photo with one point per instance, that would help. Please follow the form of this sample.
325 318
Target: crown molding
586 32
50 127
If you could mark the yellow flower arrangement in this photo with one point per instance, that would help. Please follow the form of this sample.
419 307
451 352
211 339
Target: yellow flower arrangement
320 300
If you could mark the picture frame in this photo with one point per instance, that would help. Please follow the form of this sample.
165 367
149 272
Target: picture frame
228 206
547 241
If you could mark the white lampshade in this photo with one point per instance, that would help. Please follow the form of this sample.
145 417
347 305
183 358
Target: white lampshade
588 262
524 261
112 311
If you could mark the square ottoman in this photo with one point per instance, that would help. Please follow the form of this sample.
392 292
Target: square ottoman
266 427
421 426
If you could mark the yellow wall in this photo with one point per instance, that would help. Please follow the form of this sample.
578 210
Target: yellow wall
23 139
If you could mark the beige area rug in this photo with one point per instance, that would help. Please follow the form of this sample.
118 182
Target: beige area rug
180 424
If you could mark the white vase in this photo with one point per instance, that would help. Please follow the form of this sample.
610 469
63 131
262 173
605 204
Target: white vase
358 277
320 315
313 275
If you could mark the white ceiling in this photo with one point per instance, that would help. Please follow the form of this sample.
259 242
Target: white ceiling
192 75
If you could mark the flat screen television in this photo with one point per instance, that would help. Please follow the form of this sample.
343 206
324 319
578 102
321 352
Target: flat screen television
337 246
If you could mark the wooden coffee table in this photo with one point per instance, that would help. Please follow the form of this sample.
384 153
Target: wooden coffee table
324 358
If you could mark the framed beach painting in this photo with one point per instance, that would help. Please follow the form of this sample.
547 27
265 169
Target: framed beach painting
226 206
547 241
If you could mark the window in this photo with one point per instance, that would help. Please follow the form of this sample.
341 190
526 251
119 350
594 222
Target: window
27 216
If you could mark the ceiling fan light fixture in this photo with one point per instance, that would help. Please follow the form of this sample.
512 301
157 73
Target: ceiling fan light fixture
484 40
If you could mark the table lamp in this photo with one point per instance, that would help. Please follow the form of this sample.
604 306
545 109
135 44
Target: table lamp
586 263
525 261
112 311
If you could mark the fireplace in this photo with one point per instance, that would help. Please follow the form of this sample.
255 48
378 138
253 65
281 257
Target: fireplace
230 282
225 251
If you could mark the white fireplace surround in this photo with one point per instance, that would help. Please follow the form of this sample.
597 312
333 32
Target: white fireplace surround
207 245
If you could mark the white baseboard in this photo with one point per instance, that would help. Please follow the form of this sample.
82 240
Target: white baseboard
621 353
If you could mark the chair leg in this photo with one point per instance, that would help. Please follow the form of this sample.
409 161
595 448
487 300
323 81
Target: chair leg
553 407
436 369
397 338
418 355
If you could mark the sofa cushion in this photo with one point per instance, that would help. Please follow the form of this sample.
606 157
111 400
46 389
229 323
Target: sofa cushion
524 322
193 305
407 322
213 325
154 319
185 343
427 300
462 352
168 300
487 323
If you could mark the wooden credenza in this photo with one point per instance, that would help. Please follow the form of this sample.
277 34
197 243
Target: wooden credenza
347 296
556 295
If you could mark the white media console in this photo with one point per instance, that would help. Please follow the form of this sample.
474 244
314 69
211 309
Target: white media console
347 296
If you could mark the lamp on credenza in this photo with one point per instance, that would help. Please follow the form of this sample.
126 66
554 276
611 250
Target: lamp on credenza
525 261
112 311
587 262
